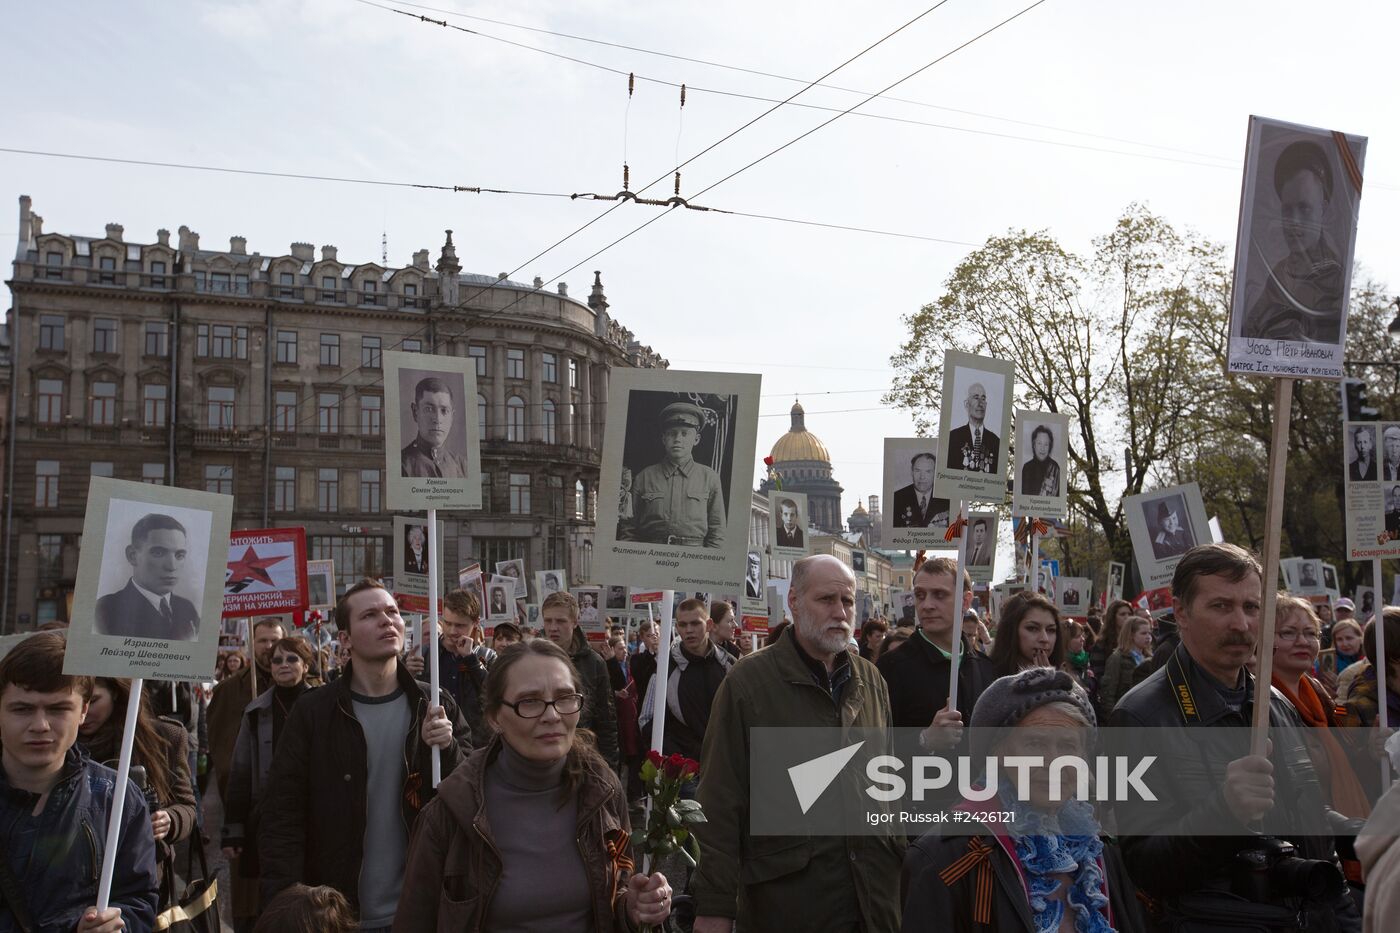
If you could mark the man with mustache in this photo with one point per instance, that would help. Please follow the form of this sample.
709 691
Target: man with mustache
1183 850
677 501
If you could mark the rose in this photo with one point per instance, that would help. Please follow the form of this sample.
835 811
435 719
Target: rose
655 758
673 767
768 461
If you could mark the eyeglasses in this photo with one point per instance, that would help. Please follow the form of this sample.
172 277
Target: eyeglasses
1305 634
534 707
287 659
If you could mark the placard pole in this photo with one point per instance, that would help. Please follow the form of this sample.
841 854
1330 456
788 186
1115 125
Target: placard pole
1273 532
1034 576
434 578
1384 718
114 819
959 588
662 675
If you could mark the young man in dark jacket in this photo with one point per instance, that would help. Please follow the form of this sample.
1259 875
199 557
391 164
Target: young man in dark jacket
352 768
462 662
698 666
559 614
1184 849
54 807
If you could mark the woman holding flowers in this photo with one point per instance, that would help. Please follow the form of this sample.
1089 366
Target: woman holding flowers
537 802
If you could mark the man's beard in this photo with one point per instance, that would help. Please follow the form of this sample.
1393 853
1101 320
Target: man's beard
829 642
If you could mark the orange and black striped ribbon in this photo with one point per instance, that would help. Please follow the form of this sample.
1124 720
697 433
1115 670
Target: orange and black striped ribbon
978 856
1348 159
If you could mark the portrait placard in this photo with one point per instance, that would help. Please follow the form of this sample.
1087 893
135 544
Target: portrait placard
615 597
516 570
1310 578
1371 470
755 574
1116 574
913 516
151 580
981 546
787 524
1072 595
858 565
1330 582
433 459
500 600
411 562
266 572
320 585
1040 485
1365 600
777 594
973 427
678 454
903 608
1288 570
591 617
550 581
1163 525
1294 250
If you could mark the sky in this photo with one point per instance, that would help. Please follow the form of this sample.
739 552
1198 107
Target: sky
1057 120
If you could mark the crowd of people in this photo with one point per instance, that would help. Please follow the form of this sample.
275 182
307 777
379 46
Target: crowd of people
332 818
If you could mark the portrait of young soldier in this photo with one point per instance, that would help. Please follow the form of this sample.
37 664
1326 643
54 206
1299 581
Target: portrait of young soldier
677 500
435 410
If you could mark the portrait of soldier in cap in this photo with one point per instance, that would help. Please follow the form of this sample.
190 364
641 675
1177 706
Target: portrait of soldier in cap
676 501
435 412
1170 529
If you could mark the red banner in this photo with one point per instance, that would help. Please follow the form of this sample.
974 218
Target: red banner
266 573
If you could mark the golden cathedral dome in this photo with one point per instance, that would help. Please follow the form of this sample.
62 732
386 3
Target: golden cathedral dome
799 443
860 510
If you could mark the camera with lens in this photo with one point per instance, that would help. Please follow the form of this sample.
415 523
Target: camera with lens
1271 872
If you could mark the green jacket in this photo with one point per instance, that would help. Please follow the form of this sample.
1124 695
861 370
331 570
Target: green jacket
809 883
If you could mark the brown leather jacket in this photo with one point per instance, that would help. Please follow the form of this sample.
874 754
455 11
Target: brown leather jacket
453 866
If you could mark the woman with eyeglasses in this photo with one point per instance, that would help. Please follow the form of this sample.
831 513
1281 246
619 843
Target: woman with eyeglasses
470 867
258 735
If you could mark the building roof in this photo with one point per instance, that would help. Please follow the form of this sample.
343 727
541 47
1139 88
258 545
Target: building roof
799 443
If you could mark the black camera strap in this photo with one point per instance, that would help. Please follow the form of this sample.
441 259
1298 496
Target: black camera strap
1181 690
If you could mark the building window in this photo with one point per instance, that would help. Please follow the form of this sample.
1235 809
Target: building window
515 364
330 349
50 401
328 288
154 398
157 338
104 335
240 283
520 494
554 485
50 557
102 468
412 345
286 282
284 488
481 417
369 292
573 374
50 332
219 407
218 478
355 556
201 344
153 473
548 418
220 282
486 490
371 415
478 353
104 404
551 367
328 489
157 274
515 418
46 484
328 413
107 270
370 490
410 295
369 353
286 346
54 262
284 411
580 501
491 551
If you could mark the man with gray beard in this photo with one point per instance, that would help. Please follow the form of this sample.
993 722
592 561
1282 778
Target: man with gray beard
808 678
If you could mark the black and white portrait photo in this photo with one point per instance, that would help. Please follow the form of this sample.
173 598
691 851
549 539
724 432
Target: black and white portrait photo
500 602
320 584
1163 525
972 429
912 516
515 569
589 608
1361 453
1169 527
787 524
1293 257
550 581
154 598
433 458
616 598
1329 579
981 545
904 607
1040 484
153 568
1072 595
1115 581
858 562
753 576
676 462
411 556
415 549
914 504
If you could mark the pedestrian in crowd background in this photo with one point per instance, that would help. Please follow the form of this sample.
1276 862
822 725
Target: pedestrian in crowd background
1027 636
724 629
630 743
872 636
463 655
1134 647
1078 639
560 614
1106 639
1346 650
470 867
232 696
233 662
1363 700
301 909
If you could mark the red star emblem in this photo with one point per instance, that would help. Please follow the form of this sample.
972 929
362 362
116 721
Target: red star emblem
250 567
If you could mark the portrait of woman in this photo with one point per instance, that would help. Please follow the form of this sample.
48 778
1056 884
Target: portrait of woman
1040 475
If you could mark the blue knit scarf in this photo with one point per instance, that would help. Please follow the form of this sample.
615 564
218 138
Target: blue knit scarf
1050 844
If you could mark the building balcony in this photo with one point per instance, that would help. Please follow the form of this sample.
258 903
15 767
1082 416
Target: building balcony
345 441
74 432
223 438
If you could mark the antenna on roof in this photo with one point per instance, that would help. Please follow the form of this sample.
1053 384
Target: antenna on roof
384 249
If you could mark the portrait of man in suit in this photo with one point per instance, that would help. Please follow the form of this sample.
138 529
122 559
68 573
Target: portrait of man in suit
148 606
914 505
499 601
973 446
1362 468
979 550
1392 511
789 530
415 555
1391 438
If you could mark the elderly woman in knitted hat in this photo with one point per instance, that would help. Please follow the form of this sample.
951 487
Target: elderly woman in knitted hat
1047 871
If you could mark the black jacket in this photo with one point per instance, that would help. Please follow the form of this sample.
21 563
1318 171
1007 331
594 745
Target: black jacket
599 710
1177 851
312 824
917 676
